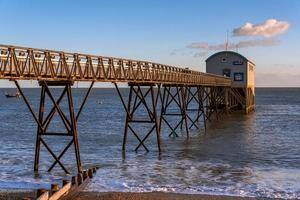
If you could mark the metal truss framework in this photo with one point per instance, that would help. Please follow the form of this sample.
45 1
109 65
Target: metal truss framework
43 121
42 64
213 96
138 98
183 88
167 97
196 95
209 101
189 103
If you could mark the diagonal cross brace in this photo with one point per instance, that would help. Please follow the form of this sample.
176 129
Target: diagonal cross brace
179 98
131 108
71 125
197 97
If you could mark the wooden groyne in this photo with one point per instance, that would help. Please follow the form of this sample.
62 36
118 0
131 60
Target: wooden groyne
69 190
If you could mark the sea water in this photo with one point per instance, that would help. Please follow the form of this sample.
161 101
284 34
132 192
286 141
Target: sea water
241 155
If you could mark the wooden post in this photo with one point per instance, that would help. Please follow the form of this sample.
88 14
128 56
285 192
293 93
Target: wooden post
90 173
84 174
65 182
79 179
42 194
74 180
54 188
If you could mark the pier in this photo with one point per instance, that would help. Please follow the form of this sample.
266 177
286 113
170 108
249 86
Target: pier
152 86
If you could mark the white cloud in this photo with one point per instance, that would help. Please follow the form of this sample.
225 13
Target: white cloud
269 28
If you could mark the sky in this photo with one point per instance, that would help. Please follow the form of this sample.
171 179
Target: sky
176 32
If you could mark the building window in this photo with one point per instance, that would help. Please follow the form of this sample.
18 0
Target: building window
226 72
239 76
238 62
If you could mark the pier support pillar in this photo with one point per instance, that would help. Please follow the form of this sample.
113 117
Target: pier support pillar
178 99
195 103
43 122
226 93
209 99
215 103
236 99
141 96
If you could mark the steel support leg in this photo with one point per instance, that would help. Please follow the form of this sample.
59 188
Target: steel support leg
177 99
140 97
43 123
195 95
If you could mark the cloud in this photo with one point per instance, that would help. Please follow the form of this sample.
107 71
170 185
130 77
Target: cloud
232 46
256 43
269 28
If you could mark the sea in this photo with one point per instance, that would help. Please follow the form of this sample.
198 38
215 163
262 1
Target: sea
255 155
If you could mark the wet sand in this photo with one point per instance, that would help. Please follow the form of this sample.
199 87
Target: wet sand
16 194
19 194
154 196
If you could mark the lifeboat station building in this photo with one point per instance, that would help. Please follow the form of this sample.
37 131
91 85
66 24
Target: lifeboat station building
240 70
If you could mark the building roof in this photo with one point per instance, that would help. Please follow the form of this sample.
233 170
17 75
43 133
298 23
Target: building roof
229 52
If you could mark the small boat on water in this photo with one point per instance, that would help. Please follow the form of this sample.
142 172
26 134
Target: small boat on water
10 95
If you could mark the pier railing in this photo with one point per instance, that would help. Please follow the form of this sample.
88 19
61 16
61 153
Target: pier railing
21 63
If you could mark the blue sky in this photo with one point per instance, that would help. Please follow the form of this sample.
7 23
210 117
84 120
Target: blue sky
159 30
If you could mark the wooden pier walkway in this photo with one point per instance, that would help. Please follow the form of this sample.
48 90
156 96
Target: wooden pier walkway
152 85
